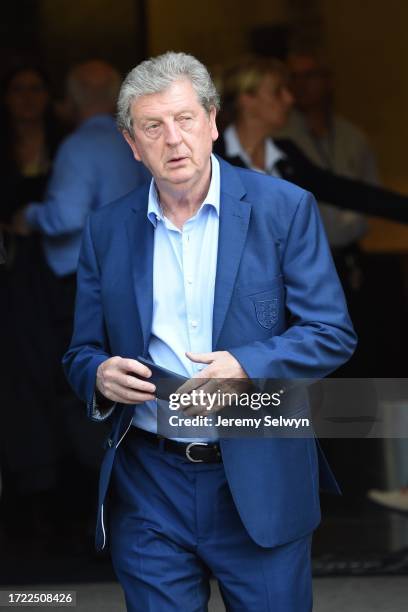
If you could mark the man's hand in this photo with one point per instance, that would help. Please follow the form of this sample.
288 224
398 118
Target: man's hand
121 380
19 224
223 373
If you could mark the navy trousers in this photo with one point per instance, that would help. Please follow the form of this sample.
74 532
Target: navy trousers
173 524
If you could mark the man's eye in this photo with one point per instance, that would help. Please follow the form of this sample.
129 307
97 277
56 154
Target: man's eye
152 128
185 120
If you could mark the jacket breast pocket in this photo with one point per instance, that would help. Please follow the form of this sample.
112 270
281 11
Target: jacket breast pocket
265 301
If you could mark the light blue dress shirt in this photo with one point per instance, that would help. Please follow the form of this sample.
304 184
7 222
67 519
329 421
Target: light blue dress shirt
184 270
93 166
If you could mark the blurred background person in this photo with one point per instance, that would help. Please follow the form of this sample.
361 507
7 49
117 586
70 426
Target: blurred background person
93 167
328 140
256 105
29 136
332 142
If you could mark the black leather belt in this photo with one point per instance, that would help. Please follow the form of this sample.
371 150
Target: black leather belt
196 452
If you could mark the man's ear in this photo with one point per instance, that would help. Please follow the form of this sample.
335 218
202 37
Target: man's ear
132 144
213 124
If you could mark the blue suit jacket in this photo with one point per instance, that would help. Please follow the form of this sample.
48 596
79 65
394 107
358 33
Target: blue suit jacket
271 247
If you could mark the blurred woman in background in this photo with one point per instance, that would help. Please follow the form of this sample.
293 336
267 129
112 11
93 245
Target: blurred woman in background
30 135
256 105
29 138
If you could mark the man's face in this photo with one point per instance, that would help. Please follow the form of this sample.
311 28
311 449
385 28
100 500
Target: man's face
27 96
173 135
271 103
310 82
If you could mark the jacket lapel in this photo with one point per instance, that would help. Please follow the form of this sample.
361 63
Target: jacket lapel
140 234
234 220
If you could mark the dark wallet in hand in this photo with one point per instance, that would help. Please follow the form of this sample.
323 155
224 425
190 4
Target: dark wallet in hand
166 381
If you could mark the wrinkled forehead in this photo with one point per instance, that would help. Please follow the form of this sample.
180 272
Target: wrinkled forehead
179 95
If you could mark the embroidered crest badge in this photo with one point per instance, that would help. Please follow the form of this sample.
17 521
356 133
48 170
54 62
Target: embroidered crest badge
267 312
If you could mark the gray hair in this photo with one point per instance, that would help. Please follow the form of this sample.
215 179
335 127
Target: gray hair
156 75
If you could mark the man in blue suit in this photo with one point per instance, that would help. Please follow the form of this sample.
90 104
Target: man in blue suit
213 272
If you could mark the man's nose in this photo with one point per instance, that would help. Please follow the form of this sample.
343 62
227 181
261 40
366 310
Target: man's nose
172 134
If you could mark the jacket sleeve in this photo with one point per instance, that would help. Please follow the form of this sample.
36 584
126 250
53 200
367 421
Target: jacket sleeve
70 193
320 336
341 191
89 345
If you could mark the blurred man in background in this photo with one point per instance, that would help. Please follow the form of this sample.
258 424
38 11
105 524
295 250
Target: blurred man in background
329 141
93 167
333 143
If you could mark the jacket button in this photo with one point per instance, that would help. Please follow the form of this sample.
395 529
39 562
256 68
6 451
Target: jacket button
110 442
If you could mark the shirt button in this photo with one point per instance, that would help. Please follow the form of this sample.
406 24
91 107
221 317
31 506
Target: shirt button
194 324
190 280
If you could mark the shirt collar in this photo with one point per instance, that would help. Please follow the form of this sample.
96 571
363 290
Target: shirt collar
154 210
233 148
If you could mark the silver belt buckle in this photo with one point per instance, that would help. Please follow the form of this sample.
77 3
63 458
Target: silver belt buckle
189 457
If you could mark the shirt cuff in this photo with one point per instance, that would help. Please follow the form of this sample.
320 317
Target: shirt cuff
96 414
